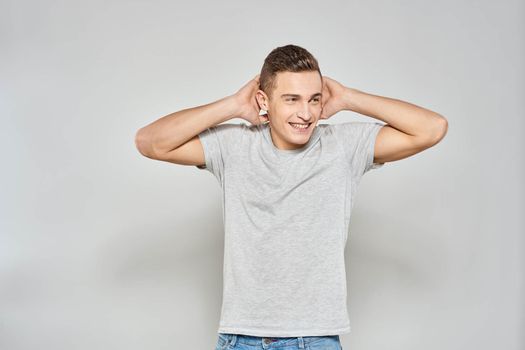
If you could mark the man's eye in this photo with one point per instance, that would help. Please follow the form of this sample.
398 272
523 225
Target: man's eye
293 99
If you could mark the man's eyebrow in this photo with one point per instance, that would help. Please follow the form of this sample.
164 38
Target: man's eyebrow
295 95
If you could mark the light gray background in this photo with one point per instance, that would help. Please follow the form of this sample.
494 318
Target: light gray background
102 248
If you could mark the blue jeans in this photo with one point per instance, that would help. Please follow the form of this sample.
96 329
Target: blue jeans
228 341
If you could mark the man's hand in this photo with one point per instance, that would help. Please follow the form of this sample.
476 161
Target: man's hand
333 97
247 103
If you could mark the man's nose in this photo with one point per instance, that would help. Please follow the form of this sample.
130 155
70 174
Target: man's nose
305 112
304 116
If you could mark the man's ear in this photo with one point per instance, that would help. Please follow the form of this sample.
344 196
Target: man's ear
262 99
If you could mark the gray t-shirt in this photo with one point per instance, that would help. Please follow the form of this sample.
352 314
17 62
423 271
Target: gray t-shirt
286 215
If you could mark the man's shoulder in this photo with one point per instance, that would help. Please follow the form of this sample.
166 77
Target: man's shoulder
354 127
239 126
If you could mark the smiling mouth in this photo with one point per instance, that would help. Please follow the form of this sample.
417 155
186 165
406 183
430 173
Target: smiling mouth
300 126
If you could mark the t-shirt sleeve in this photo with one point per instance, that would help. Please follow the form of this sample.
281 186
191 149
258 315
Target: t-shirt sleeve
358 141
218 143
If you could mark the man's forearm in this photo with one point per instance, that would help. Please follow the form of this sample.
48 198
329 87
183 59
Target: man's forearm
404 116
173 130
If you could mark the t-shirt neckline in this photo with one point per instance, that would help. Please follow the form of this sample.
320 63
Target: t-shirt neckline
267 134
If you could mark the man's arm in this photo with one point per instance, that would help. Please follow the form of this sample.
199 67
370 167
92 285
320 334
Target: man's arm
175 137
179 130
410 130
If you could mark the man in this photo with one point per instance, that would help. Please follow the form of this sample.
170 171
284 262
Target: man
288 185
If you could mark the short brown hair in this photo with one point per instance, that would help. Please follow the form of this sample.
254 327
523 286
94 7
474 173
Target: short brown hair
288 58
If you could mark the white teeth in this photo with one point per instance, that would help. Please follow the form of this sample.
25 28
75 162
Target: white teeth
299 126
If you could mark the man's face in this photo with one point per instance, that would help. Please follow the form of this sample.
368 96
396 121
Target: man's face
295 100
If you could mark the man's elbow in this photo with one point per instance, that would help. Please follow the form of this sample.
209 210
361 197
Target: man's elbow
439 130
142 143
443 128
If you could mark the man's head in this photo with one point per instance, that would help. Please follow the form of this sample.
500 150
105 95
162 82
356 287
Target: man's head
290 90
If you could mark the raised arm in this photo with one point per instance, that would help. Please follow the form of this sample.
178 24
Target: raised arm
180 129
410 129
174 137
